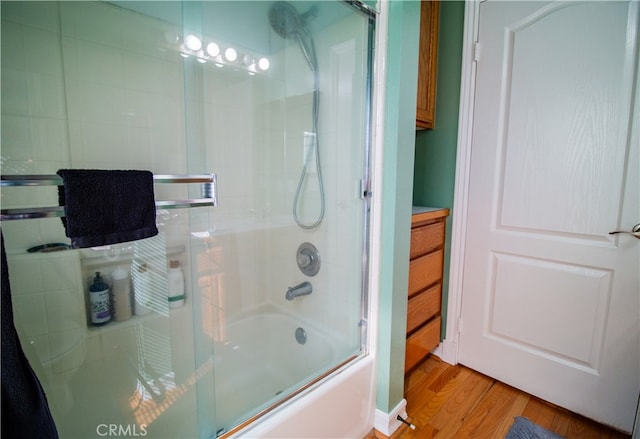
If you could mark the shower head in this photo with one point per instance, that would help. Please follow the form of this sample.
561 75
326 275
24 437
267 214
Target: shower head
287 22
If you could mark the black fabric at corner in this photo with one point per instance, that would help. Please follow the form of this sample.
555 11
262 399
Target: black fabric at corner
25 412
105 207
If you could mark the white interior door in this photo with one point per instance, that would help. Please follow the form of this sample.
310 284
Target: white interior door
549 298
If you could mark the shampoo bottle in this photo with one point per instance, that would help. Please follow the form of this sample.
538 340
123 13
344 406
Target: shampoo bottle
142 290
121 291
99 301
175 280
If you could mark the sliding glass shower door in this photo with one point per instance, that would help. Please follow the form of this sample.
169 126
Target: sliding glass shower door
281 95
273 98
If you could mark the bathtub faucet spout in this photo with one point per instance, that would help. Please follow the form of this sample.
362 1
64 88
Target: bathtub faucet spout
299 290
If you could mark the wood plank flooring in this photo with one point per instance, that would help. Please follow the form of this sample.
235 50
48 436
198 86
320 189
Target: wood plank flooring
445 401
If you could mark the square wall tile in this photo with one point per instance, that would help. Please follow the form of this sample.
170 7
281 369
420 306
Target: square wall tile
25 275
46 95
93 349
95 22
29 315
100 64
15 99
13 53
104 144
62 271
44 52
65 311
16 138
103 103
50 139
18 237
42 15
67 350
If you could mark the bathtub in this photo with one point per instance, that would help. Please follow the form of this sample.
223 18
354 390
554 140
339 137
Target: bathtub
260 361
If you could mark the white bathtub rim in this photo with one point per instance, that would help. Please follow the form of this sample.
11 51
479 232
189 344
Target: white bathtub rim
269 425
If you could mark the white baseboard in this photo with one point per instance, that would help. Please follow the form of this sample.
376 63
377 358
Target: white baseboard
386 423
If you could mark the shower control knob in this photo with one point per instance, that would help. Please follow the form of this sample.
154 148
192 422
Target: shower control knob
308 259
305 259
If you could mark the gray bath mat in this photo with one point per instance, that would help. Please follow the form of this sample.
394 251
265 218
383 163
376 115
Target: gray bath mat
523 428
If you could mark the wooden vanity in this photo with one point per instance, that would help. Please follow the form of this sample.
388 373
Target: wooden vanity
425 283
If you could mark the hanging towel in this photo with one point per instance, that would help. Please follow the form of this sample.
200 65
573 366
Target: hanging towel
25 412
107 207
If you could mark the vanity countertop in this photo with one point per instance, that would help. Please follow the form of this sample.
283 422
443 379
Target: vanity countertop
423 213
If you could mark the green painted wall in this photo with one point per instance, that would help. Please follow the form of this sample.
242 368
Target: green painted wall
435 154
399 142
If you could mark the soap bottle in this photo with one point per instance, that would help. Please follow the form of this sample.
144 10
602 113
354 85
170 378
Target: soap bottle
142 290
175 280
99 301
121 291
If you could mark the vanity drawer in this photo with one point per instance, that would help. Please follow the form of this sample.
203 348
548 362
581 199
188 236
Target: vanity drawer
423 306
426 238
425 271
420 344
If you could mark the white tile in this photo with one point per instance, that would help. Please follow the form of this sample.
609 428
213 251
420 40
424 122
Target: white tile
62 272
43 52
173 77
50 140
103 103
29 314
25 275
74 94
119 342
70 59
19 235
16 138
65 310
145 73
67 350
100 64
13 53
12 197
139 146
14 91
51 229
43 15
145 109
76 142
104 143
98 22
146 35
173 106
93 349
46 95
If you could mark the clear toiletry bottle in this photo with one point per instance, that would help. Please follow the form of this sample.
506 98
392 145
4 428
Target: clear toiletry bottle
142 290
99 301
175 279
121 292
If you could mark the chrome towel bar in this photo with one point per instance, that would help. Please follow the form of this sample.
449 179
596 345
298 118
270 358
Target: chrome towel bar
209 194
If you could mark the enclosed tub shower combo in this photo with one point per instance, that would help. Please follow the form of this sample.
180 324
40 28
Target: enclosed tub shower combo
253 119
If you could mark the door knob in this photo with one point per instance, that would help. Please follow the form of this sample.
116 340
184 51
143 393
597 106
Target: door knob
635 231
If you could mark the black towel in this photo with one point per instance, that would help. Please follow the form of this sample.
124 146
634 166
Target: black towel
107 207
25 412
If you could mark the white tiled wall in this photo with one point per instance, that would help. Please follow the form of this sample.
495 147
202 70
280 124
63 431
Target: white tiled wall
48 302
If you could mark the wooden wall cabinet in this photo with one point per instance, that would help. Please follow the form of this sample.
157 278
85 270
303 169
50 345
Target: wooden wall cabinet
427 64
425 283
